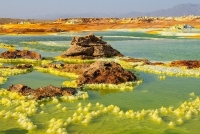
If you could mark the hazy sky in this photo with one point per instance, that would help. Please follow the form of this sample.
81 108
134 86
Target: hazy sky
34 8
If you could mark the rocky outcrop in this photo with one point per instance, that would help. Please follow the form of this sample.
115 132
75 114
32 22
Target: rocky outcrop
188 63
105 72
90 46
50 91
42 92
22 89
14 54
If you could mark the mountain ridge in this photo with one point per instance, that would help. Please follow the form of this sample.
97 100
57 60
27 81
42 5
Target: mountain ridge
177 10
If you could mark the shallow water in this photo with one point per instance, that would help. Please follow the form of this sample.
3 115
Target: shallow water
35 80
152 94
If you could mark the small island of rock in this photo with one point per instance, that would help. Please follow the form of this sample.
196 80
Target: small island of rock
89 47
105 72
14 54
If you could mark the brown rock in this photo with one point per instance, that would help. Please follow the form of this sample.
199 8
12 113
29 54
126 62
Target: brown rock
13 54
50 91
90 46
84 41
105 51
22 89
105 72
188 63
42 92
68 91
77 50
75 68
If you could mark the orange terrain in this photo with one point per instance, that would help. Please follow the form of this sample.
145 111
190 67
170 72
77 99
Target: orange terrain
95 24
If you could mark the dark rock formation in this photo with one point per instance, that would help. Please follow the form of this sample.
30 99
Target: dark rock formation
90 46
42 92
105 72
188 63
13 54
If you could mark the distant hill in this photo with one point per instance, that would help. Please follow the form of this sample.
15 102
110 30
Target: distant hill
178 10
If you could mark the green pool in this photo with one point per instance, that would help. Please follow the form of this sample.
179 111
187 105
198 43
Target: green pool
154 102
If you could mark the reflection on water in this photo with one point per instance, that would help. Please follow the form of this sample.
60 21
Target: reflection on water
151 94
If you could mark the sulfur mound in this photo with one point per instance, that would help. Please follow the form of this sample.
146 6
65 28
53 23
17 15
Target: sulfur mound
105 72
14 54
89 47
42 92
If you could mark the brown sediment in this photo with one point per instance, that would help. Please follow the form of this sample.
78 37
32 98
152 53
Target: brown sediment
13 54
22 66
42 92
19 66
153 63
145 61
190 64
72 68
83 57
135 60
